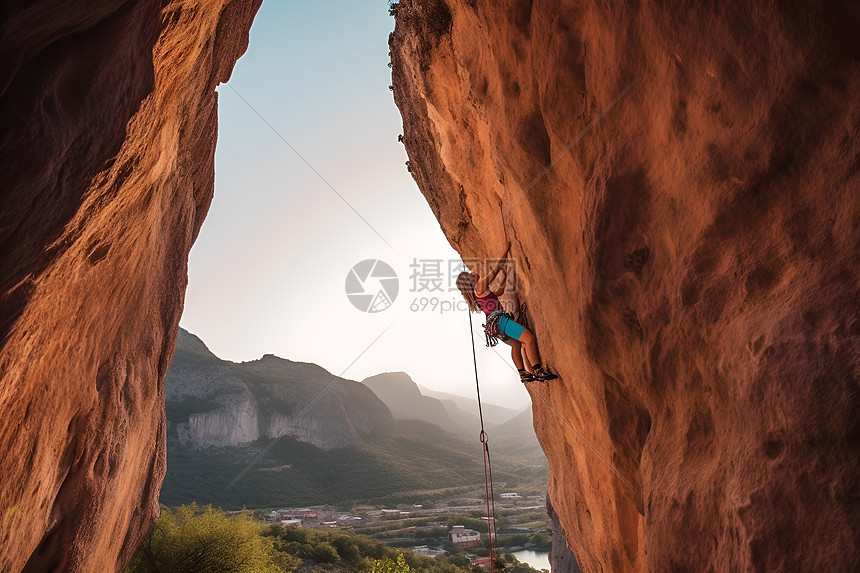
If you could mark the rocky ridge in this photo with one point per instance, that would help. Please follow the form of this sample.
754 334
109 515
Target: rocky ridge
215 403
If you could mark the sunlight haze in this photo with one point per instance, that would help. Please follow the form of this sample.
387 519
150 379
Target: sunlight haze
267 273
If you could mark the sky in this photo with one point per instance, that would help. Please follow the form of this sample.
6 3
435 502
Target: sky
307 116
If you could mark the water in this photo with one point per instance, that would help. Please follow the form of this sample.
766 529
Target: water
537 559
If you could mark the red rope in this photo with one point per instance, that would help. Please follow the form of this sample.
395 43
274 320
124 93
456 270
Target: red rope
488 468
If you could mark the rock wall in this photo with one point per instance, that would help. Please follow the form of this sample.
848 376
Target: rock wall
561 558
680 184
236 422
108 118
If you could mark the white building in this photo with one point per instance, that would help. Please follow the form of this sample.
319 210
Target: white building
462 537
424 550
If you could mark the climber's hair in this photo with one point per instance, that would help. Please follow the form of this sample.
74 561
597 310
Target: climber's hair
466 283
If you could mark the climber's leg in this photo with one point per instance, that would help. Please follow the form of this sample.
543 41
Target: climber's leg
530 347
516 353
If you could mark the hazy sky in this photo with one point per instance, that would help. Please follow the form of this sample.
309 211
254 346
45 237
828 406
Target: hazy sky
268 272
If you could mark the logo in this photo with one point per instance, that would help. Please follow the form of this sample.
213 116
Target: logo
372 285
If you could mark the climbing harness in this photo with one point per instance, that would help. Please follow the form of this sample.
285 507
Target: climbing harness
492 331
488 469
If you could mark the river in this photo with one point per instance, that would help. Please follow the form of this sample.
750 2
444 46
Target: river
537 559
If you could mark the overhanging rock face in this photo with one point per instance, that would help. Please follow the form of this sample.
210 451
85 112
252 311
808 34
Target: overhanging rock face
109 117
690 258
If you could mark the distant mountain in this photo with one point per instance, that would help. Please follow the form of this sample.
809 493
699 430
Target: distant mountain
512 432
516 437
493 414
401 394
213 402
338 441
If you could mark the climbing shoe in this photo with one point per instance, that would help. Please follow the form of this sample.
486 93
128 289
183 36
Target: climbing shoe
526 376
544 375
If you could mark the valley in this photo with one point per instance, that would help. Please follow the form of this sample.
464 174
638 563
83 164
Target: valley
274 433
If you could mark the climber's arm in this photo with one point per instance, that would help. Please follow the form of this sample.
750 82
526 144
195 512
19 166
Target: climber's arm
497 285
482 287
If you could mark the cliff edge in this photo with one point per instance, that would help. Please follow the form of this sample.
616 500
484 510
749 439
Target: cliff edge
108 115
680 184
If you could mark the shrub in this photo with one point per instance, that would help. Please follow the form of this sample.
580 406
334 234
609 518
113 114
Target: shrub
192 540
389 566
324 553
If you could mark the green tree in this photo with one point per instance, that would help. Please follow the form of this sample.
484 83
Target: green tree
469 522
389 566
460 560
541 541
347 548
191 540
517 566
324 552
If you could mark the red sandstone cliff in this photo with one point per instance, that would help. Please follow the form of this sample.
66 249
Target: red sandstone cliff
692 263
107 133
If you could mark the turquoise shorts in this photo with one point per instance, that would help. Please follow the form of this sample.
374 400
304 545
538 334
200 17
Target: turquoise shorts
510 328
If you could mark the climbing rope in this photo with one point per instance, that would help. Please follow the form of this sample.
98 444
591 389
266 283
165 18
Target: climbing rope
488 468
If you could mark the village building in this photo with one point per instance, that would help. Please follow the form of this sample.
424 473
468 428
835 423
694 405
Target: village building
425 550
462 537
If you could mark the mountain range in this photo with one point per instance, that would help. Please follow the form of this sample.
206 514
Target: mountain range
512 430
277 432
407 399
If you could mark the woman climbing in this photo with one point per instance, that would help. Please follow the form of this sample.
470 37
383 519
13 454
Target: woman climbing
477 291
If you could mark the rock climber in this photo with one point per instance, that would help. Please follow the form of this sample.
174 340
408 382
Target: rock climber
476 289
